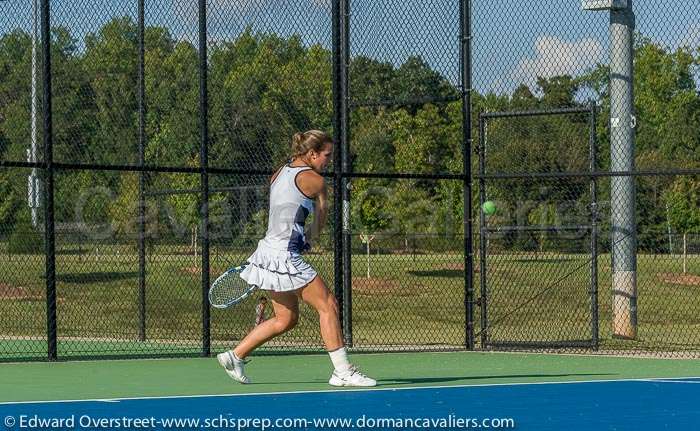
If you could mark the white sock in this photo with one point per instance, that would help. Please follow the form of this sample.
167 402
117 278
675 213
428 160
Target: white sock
235 357
339 357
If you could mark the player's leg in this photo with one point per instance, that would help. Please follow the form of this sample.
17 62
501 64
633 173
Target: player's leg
318 296
286 308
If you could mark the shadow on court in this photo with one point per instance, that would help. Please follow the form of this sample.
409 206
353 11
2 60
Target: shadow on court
451 379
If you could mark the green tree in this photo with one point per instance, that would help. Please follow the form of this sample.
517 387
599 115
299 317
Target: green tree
558 91
372 142
372 80
110 61
668 119
371 199
683 199
173 104
11 203
415 78
185 206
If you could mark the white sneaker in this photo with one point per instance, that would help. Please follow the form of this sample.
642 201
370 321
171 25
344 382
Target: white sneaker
233 366
351 377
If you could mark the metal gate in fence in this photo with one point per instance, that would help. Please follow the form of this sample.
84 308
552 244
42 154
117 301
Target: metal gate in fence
537 251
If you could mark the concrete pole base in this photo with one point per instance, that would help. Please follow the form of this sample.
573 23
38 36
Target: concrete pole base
625 305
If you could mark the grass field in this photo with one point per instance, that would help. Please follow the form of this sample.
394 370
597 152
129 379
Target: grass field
408 300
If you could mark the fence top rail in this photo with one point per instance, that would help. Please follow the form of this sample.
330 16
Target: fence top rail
587 174
491 176
404 102
224 171
535 113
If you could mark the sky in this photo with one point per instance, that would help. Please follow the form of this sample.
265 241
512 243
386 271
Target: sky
514 41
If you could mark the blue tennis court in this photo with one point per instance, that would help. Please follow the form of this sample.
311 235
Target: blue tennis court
638 404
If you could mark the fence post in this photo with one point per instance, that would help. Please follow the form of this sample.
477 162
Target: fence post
482 232
49 233
623 188
466 78
337 160
344 24
594 228
142 145
204 174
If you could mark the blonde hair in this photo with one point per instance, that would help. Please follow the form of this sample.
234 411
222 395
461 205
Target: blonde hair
303 142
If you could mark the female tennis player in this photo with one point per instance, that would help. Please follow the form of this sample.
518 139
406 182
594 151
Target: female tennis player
296 190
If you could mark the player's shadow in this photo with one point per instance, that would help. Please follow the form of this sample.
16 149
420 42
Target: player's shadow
423 380
438 380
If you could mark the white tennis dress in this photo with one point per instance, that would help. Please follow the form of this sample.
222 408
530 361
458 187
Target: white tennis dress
277 263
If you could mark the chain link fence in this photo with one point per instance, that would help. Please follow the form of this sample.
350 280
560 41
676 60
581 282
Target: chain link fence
507 175
584 251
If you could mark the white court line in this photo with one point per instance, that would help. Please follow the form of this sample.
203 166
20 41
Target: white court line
673 380
322 391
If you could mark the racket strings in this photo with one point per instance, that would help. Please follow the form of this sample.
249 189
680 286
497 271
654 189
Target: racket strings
228 289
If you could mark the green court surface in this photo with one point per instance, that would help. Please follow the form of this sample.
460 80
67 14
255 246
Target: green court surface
106 379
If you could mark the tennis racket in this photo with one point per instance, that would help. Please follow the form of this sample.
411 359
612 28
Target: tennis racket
230 289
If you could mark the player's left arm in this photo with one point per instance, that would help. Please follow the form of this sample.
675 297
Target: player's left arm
320 211
314 186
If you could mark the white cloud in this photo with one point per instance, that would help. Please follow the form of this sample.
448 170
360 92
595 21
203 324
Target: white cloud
554 57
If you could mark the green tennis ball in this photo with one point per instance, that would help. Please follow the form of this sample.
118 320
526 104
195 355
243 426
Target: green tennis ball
489 208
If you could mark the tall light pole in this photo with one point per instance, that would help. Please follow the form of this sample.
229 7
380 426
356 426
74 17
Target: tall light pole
622 138
33 180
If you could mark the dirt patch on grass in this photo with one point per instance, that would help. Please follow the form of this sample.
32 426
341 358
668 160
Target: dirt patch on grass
382 286
197 270
19 293
191 270
458 266
682 279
